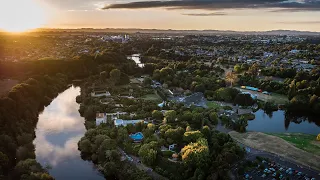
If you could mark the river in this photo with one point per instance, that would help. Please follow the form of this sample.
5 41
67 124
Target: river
58 131
277 122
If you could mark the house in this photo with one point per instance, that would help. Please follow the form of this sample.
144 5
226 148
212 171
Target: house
172 146
100 94
121 122
101 118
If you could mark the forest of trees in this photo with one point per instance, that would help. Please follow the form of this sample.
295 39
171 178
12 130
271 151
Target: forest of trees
19 115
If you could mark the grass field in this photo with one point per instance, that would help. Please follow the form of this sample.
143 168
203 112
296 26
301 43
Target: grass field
213 105
152 97
277 145
279 98
302 141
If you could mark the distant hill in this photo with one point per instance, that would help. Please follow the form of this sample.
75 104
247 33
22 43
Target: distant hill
170 31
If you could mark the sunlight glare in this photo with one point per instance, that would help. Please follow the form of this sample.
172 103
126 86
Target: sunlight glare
21 15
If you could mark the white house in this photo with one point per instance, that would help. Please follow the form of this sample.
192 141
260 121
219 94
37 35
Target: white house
101 118
100 94
121 122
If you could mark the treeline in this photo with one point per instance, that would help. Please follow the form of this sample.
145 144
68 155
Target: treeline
19 115
304 93
100 145
81 67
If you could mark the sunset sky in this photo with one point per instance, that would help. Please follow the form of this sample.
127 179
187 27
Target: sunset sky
245 15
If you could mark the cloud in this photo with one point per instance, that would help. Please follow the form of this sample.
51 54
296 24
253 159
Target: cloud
299 22
207 14
305 5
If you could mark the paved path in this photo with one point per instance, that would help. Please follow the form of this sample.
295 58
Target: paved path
136 161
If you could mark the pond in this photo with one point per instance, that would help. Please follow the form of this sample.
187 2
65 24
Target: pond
278 122
136 58
58 131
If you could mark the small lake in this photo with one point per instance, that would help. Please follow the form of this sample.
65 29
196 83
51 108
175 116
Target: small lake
58 131
136 58
277 122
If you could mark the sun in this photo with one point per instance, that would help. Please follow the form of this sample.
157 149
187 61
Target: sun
21 15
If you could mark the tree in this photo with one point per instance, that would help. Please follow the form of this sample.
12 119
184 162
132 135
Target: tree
213 118
103 76
196 154
85 146
170 116
244 100
4 163
157 115
175 135
231 77
192 136
237 68
148 153
147 81
115 75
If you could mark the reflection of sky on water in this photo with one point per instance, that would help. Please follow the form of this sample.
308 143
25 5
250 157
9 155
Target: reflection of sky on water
277 124
59 129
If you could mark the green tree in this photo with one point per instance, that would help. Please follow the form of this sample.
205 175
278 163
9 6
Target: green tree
237 68
192 136
4 163
157 115
148 153
170 116
213 118
85 146
115 75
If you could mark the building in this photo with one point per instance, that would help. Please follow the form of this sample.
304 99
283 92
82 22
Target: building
101 118
121 122
100 94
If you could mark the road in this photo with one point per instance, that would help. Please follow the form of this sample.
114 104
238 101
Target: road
136 161
253 153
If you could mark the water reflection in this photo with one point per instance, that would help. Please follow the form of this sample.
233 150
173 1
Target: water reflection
279 122
59 129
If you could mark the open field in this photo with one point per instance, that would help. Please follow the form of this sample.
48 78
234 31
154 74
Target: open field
214 105
302 141
276 145
152 97
6 85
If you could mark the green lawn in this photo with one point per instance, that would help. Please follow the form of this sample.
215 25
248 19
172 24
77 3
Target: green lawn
302 141
213 105
152 97
279 98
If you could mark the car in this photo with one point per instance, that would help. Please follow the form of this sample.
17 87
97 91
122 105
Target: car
263 175
299 173
313 178
281 169
274 174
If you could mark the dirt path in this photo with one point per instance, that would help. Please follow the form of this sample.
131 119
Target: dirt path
277 146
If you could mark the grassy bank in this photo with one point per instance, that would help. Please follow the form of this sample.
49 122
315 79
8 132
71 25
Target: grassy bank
214 105
277 145
305 142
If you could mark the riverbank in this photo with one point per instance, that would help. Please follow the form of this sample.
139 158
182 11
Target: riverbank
277 145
